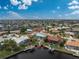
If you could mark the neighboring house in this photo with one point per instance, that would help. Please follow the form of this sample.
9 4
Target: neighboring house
68 38
18 39
44 31
29 30
54 30
55 39
75 30
64 27
16 31
72 45
2 33
1 27
37 29
49 26
70 33
21 40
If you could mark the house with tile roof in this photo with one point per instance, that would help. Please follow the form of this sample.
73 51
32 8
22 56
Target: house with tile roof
55 39
54 30
72 45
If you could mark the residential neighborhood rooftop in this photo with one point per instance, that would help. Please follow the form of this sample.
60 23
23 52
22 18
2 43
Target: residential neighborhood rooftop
73 43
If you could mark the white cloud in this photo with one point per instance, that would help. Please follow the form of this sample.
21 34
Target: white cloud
74 7
58 7
75 12
13 15
27 2
60 15
23 6
35 0
66 14
5 8
73 2
10 15
35 17
0 7
15 2
53 11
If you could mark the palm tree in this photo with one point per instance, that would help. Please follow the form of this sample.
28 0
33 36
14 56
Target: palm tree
23 29
8 29
34 40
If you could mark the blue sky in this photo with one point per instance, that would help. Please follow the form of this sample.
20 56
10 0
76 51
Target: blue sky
39 9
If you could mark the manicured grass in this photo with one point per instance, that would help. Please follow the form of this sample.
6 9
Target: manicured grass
46 44
35 43
53 46
61 49
4 53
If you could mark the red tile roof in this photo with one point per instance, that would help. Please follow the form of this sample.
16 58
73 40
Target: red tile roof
54 38
72 43
37 29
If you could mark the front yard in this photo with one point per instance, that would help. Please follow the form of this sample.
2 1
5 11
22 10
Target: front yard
4 53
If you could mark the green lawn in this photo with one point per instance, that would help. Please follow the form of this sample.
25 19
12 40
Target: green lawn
58 48
61 49
4 53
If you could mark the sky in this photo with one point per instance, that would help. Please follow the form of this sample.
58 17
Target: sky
39 9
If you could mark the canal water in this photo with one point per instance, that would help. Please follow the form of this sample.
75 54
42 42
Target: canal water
42 54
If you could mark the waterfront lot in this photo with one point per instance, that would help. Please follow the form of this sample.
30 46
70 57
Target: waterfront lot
42 54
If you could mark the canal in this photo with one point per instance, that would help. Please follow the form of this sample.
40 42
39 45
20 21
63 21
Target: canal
41 53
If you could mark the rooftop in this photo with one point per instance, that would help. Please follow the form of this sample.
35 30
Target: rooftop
54 38
72 43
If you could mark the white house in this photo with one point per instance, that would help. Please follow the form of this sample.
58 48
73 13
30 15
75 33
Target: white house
69 33
21 40
29 30
18 39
